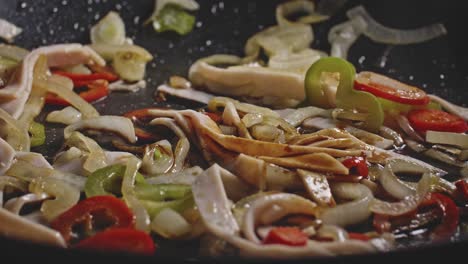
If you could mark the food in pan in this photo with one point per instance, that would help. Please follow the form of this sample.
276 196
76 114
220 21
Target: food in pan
291 156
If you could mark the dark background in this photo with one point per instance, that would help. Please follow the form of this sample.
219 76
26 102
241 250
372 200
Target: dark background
439 66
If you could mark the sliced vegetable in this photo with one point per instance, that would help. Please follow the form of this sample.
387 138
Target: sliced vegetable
107 181
120 240
170 224
38 136
390 89
346 96
382 34
359 163
8 30
130 66
96 90
436 120
109 30
85 79
91 210
174 18
290 236
449 212
447 138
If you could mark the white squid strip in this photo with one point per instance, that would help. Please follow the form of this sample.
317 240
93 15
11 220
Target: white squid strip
214 209
15 94
117 124
17 227
16 204
189 94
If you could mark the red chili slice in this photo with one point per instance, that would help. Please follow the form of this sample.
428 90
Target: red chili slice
430 119
113 208
390 89
290 236
120 240
96 90
80 79
359 163
450 215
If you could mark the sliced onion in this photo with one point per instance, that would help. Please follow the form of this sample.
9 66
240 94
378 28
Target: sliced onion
445 158
394 186
409 130
8 31
382 34
299 115
78 69
116 124
231 118
109 30
349 213
63 87
65 195
128 87
170 224
296 62
95 159
68 115
343 36
13 52
17 134
157 164
415 146
183 145
251 119
409 203
291 7
128 191
108 52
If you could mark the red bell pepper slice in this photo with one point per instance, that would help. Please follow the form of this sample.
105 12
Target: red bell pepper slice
390 89
96 90
359 163
120 240
84 79
436 120
290 236
462 191
450 215
358 236
112 209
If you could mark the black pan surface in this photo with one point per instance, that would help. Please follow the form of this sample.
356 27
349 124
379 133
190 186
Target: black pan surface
439 66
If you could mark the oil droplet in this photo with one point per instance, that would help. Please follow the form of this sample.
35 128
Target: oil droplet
361 59
208 43
411 77
199 24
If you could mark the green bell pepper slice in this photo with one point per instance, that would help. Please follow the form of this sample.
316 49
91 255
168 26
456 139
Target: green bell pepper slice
346 96
108 181
154 208
162 192
37 132
174 18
